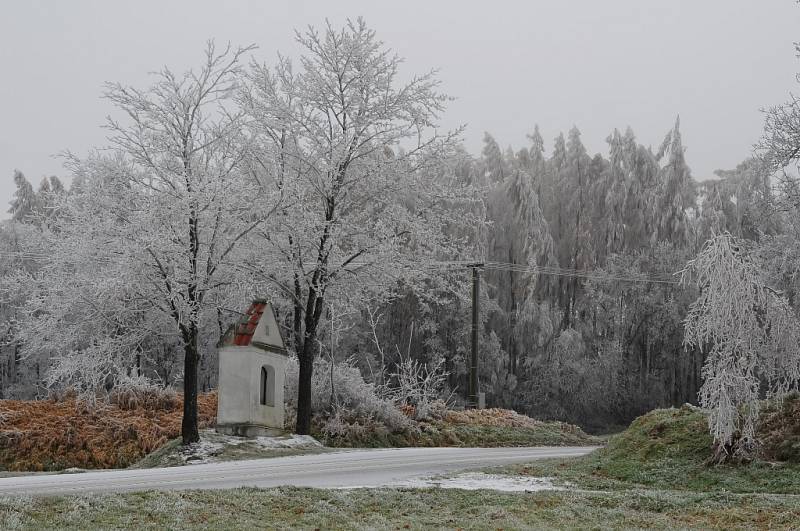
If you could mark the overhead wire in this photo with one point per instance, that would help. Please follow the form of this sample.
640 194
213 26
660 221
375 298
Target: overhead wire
545 270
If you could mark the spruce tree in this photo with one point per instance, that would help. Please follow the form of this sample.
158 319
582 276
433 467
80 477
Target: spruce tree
25 203
676 194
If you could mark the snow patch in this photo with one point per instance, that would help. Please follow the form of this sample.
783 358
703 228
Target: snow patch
207 450
479 480
200 452
212 446
288 441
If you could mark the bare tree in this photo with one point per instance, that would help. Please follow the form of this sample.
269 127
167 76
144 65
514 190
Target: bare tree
185 201
778 149
351 143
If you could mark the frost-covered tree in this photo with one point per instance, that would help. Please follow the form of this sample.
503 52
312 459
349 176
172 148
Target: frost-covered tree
21 247
25 203
675 194
494 162
51 193
353 146
23 242
529 233
778 150
554 201
614 200
750 335
187 198
525 191
157 222
626 195
748 194
575 250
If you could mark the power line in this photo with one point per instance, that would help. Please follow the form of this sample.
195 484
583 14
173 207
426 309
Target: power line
587 274
541 270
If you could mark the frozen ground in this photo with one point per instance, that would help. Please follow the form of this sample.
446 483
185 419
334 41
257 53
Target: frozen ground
215 447
480 480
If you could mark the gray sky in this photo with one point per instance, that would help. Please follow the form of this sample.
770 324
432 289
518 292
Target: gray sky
595 64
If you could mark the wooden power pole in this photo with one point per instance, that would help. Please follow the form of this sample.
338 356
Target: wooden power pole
472 399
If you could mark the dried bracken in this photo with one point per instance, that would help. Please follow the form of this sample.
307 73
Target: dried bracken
65 432
504 418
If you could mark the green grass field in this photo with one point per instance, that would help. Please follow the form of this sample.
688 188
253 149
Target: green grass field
291 508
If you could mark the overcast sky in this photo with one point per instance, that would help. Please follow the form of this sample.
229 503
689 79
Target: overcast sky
595 64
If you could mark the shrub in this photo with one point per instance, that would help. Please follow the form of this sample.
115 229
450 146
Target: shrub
341 400
420 387
133 393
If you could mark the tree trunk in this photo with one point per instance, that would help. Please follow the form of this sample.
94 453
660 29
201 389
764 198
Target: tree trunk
15 359
306 361
3 379
512 344
189 432
572 296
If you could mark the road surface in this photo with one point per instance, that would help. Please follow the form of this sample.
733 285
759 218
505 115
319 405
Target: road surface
355 468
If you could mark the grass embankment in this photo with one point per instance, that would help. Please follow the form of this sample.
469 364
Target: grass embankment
669 449
471 428
65 433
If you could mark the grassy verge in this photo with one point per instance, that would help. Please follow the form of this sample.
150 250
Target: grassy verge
290 508
442 434
666 449
474 428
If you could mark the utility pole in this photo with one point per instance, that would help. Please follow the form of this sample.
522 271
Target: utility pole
472 399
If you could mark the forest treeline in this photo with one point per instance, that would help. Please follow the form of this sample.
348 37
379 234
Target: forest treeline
583 303
582 313
306 190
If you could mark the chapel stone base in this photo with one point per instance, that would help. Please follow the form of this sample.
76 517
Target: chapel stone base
248 430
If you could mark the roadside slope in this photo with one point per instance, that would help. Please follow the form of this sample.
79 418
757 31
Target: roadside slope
670 449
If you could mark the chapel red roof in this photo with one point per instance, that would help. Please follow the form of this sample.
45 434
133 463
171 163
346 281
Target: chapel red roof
246 327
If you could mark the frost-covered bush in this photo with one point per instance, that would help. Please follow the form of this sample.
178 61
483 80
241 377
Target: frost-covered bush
134 392
418 385
342 400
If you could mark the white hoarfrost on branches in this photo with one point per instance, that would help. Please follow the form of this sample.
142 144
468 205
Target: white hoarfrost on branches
146 252
185 197
416 384
750 335
325 186
355 402
778 149
356 150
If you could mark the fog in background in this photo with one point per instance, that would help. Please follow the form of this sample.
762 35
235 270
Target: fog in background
511 65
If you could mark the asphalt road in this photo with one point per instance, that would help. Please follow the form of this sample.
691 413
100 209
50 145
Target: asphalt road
353 468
